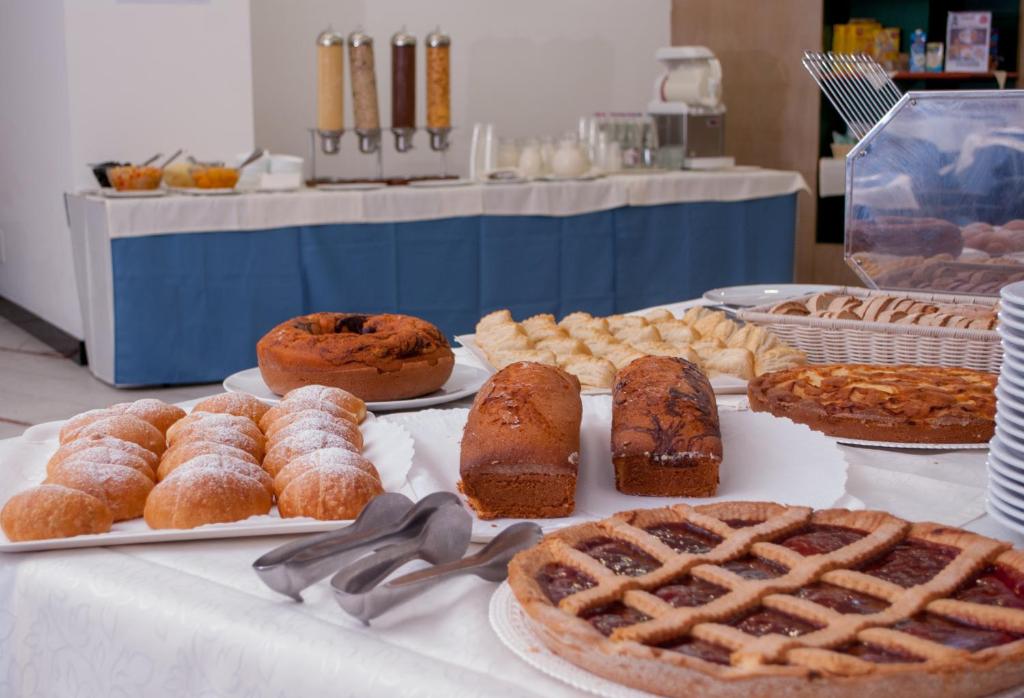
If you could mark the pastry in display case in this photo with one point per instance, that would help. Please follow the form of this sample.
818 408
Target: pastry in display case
933 194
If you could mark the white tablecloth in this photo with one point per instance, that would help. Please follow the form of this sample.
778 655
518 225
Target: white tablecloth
183 213
192 619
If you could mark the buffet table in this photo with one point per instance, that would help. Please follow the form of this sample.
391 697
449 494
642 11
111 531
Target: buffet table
193 619
177 289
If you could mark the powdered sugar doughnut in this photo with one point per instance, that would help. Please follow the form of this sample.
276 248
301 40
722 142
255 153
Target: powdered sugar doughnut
318 421
223 435
286 419
314 459
191 497
242 467
187 450
186 426
53 511
122 489
329 492
104 455
156 412
239 404
93 440
287 450
322 393
128 428
73 426
299 405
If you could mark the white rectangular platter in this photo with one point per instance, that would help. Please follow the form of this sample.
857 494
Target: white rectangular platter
23 464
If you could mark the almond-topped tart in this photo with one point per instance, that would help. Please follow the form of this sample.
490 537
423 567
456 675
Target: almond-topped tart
906 404
747 599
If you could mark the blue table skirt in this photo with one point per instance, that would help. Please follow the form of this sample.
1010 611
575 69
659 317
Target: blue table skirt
189 307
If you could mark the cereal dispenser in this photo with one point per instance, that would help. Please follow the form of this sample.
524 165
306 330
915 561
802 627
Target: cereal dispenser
403 89
330 95
365 108
439 108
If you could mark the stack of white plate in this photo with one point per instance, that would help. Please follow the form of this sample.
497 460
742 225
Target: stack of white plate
1006 454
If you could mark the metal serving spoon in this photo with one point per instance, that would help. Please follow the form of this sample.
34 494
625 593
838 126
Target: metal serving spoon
388 518
357 592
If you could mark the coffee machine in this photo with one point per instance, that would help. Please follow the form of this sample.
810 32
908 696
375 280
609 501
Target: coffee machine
687 110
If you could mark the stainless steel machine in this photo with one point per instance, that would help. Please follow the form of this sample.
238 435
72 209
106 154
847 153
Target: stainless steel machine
687 110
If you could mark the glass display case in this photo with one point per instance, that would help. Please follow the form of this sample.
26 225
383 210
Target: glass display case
935 194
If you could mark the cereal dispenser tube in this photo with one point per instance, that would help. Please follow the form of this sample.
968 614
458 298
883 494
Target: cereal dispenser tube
364 91
330 95
439 112
403 89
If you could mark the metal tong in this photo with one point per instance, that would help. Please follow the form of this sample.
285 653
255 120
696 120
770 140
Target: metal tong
358 590
388 518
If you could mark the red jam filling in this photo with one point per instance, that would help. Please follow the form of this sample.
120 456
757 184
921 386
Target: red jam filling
954 634
842 600
751 567
767 620
619 556
817 539
741 523
559 581
689 591
716 654
876 654
911 562
995 585
684 537
614 615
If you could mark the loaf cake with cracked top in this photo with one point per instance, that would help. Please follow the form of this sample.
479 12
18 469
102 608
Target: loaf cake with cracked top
521 444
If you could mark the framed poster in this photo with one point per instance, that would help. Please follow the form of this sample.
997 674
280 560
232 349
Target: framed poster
967 37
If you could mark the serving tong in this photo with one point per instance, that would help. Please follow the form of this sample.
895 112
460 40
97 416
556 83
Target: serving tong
358 589
436 529
388 518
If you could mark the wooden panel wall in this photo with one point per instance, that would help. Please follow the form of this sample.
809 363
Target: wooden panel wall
773 104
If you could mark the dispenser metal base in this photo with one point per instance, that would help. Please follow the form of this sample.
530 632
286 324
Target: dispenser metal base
403 139
439 139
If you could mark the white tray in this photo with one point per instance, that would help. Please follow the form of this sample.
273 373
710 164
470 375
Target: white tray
464 381
765 459
23 461
721 384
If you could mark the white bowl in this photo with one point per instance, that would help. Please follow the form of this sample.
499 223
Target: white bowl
1010 425
1012 383
285 164
1012 343
1011 321
1013 294
1013 363
1005 455
1013 448
1005 494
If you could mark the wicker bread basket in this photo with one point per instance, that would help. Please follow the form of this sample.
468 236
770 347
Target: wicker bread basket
856 341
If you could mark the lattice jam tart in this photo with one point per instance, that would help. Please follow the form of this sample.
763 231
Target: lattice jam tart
754 599
909 404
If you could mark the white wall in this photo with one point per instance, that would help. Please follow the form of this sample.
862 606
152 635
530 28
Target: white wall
91 80
35 162
530 66
149 76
